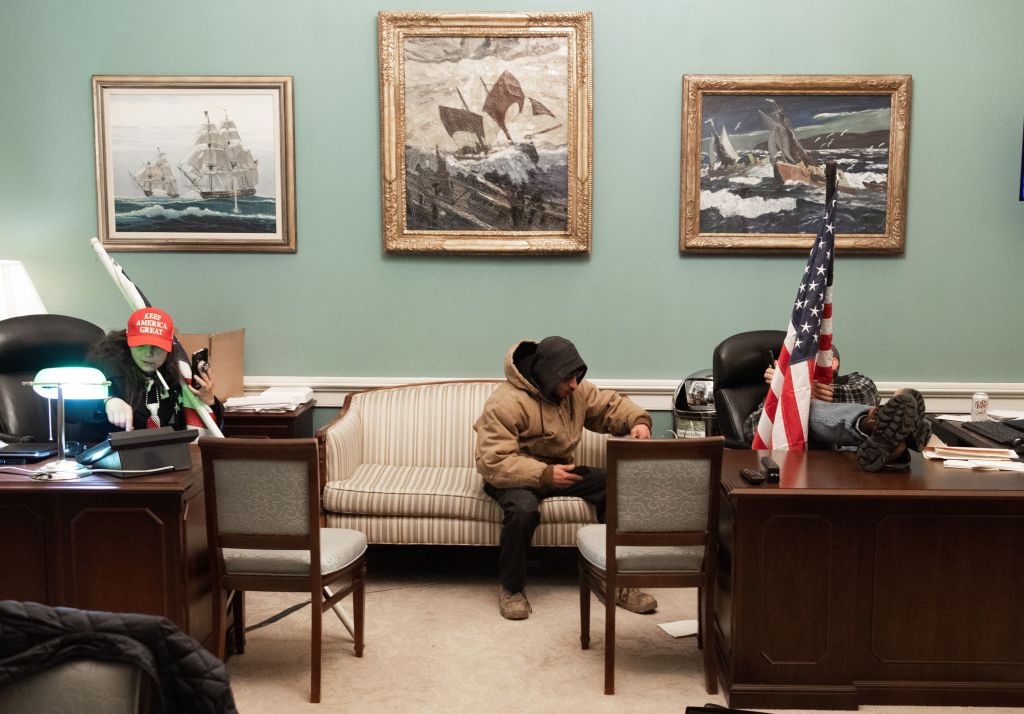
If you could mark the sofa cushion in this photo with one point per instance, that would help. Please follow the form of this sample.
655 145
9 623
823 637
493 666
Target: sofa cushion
382 490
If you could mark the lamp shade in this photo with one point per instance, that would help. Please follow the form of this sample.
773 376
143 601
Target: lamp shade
18 296
74 382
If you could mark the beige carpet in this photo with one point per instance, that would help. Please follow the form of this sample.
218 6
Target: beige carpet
436 643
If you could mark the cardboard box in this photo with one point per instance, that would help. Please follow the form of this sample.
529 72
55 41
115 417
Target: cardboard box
227 359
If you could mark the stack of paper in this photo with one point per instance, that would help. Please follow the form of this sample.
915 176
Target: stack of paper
272 399
974 457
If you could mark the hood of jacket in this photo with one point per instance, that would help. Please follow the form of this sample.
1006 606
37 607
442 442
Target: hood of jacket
539 367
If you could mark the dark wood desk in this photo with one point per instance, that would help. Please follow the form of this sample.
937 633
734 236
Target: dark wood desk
838 587
290 424
103 543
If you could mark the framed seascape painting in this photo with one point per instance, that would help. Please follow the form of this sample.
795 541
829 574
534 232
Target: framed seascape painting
486 132
754 150
195 163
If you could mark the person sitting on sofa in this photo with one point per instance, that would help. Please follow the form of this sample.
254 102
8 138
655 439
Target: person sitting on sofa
526 436
845 415
145 389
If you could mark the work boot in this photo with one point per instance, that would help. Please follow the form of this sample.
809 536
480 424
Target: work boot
889 428
631 599
513 606
918 439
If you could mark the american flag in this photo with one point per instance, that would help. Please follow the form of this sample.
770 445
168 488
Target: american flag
806 355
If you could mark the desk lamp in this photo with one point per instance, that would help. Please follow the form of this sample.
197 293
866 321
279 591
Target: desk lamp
62 383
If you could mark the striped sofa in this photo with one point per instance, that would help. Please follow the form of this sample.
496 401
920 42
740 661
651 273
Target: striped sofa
398 464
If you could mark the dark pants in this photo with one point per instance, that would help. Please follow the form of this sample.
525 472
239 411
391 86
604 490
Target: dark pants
522 518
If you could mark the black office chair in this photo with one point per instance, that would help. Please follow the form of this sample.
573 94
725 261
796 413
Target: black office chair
738 366
28 344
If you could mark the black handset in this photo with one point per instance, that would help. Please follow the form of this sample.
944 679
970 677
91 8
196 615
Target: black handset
771 358
754 478
771 469
200 364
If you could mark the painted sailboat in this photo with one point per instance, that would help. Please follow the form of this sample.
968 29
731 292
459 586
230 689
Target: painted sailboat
156 178
792 163
505 93
723 159
219 165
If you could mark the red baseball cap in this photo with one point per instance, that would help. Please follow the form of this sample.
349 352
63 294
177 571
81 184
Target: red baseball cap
150 326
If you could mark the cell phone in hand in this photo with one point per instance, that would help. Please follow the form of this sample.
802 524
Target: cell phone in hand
200 364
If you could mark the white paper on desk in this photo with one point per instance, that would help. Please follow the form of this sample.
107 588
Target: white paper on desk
953 417
967 452
1003 414
984 465
680 628
299 395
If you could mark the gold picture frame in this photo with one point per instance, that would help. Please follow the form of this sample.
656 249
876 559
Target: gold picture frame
195 164
760 194
486 132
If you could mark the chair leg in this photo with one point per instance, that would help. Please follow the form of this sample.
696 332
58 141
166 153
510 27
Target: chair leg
239 621
584 609
700 618
358 608
609 637
316 611
710 660
220 624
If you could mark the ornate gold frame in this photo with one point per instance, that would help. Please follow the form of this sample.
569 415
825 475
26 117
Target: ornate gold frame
279 89
576 27
696 87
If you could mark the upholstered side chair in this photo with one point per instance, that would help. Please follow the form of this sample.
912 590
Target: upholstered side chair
661 531
263 529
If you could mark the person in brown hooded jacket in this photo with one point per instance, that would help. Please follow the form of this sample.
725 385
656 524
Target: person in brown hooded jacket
526 437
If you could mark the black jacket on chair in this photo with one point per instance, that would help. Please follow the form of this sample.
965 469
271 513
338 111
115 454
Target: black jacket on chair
184 676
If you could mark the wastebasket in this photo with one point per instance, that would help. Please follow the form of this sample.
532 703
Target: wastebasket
693 413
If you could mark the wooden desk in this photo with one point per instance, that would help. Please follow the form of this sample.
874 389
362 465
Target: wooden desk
103 543
291 424
839 587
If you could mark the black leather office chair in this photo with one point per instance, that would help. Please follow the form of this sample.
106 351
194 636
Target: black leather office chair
28 344
738 366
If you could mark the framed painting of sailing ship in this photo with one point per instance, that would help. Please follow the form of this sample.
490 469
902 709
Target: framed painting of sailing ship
753 155
486 132
201 164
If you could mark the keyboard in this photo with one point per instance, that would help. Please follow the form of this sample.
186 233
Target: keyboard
994 430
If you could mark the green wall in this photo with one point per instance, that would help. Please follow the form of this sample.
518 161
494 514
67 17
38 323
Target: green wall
636 308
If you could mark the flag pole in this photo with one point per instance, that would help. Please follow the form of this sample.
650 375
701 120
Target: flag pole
830 182
136 301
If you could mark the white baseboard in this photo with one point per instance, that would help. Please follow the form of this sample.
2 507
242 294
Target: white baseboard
657 394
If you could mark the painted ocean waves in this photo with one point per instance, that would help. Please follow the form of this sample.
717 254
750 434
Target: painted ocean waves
246 214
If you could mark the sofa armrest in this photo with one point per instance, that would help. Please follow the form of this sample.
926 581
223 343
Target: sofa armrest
341 445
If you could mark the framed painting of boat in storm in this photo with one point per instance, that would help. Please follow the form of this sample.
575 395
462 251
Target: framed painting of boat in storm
754 150
195 163
486 132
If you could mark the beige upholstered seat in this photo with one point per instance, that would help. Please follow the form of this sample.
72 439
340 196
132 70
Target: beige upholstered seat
83 686
662 523
399 465
263 526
